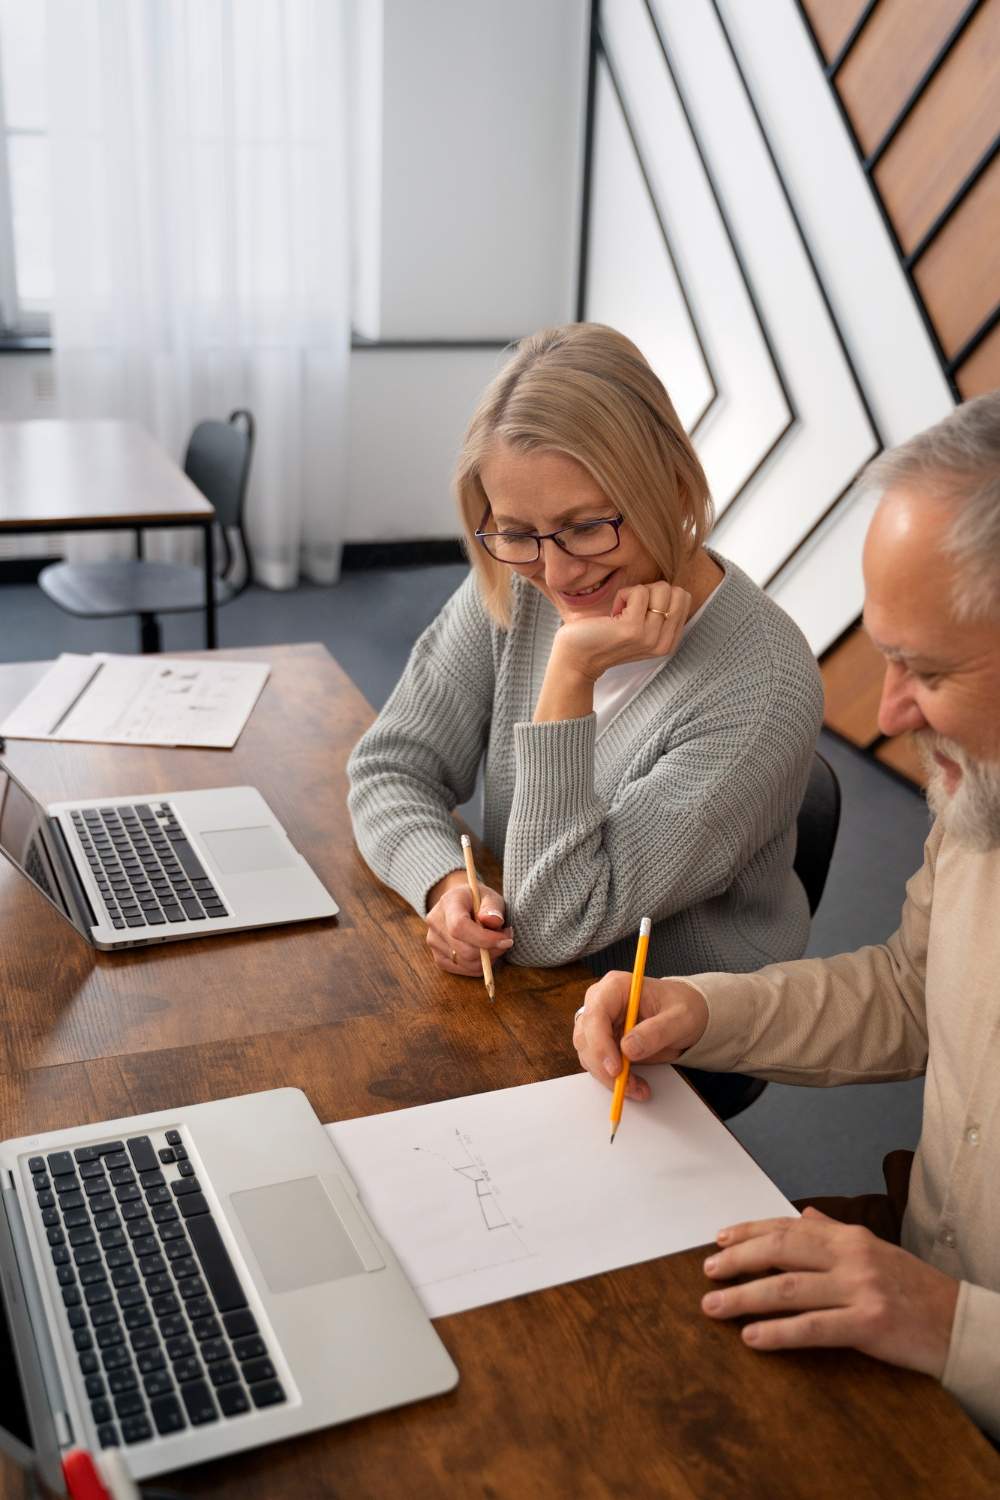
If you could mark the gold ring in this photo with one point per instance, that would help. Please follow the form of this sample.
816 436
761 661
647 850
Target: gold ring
664 612
454 956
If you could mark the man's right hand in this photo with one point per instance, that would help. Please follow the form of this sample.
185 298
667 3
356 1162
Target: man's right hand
672 1017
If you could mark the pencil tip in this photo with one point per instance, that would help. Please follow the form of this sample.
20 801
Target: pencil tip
492 993
613 1134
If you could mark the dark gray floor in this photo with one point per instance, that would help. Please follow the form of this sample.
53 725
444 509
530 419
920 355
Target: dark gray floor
809 1140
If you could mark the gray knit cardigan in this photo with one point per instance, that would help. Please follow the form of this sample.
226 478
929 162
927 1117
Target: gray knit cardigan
684 810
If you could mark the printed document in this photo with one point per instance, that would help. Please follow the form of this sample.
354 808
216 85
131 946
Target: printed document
139 700
499 1194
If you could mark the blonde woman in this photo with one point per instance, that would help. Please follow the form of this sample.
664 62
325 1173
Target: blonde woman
645 715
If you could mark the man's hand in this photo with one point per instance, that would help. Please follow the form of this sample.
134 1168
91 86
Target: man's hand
455 936
833 1285
672 1017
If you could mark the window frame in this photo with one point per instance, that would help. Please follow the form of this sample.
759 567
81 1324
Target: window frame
16 322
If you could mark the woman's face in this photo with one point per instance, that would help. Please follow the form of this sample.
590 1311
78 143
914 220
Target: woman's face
542 492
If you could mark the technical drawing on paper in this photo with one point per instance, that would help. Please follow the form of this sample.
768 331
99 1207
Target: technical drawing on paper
477 1208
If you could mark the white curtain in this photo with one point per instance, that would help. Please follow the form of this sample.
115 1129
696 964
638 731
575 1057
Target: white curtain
200 212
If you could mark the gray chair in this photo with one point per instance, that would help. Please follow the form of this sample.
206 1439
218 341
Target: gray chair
218 462
817 824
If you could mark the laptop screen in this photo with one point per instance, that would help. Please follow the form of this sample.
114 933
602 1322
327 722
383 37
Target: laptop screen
15 1432
29 843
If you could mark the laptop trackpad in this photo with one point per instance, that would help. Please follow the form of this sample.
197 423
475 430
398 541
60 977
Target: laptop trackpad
240 851
298 1236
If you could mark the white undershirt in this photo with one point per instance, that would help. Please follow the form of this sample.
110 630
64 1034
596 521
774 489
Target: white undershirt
619 685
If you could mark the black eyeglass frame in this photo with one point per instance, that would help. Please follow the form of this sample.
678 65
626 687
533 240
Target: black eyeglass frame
538 537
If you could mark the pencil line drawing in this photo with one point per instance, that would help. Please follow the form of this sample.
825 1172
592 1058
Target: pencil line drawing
460 1159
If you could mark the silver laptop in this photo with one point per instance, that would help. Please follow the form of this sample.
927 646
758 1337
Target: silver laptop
129 871
190 1283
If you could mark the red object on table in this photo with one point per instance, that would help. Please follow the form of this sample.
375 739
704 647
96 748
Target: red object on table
82 1479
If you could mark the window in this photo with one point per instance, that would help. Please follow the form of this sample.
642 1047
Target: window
25 215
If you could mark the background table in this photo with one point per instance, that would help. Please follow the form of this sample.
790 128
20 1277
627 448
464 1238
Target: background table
613 1385
98 476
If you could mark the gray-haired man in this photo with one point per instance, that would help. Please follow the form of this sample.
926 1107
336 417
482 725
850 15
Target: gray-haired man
926 1001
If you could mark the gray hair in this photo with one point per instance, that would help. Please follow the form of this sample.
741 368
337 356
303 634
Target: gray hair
958 459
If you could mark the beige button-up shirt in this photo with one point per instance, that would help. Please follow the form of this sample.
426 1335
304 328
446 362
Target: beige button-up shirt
926 1001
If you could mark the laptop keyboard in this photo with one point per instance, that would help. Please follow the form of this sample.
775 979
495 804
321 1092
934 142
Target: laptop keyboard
146 869
159 1320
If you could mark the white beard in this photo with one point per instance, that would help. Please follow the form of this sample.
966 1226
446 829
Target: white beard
971 813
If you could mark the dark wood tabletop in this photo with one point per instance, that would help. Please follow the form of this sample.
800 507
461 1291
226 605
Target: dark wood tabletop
616 1385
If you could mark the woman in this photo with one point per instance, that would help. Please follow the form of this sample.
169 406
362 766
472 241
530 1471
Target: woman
646 714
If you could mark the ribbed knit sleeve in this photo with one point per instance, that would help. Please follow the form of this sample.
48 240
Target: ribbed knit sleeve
420 757
972 1373
858 1017
705 793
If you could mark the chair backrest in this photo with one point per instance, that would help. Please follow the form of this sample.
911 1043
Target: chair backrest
818 821
218 462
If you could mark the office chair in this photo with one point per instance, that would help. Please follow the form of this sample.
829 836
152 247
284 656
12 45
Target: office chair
730 1094
218 462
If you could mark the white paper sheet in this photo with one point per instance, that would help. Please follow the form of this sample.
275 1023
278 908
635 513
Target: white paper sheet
139 700
499 1194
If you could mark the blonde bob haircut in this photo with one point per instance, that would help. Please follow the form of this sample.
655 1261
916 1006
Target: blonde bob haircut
584 390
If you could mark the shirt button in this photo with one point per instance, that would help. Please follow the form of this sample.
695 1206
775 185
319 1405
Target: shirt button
972 1135
948 1238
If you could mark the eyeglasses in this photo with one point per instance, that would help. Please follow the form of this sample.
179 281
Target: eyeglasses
589 539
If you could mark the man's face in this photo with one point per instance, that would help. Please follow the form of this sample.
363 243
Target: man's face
942 678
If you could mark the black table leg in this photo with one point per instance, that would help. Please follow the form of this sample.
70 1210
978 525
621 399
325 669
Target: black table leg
210 634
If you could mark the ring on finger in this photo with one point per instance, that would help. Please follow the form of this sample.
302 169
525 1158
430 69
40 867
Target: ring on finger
664 612
577 1014
454 956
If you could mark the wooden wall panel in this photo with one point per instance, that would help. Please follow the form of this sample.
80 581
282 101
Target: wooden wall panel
959 274
981 371
901 756
949 130
852 681
886 62
832 20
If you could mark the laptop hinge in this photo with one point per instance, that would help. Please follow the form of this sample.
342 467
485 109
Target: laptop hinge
68 871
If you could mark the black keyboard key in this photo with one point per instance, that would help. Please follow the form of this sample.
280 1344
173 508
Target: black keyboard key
192 909
91 1275
187 1369
177 1249
36 1163
257 1370
213 1349
167 1415
132 1296
155 1195
165 1305
207 1328
120 1381
137 1317
212 910
94 1386
173 1327
233 1400
137 1429
181 1153
60 1255
71 1296
143 1155
88 1360
269 1393
158 1383
134 922
125 1276
251 1347
129 1404
159 1283
50 1217
112 1237
83 1339
107 1435
86 1255
150 1359
93 1168
152 1265
41 1182
115 1155
240 1323
200 1307
76 1317
66 1276
223 1373
182 1269
145 1338
216 1264
185 1168
121 1175
180 1347
164 1213
138 1229
55 1237
71 1199
116 1358
102 1203
152 1179
146 1244
195 1203
187 1185
198 1401
107 1221
134 1210
102 1316
100 1410
61 1162
173 913
95 1295
167 1155
172 1231
82 1236
192 1289
117 1257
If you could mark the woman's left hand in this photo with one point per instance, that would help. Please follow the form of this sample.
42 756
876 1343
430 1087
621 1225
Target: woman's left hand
645 620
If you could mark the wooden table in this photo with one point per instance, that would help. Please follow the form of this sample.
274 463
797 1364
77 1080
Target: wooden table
616 1385
99 476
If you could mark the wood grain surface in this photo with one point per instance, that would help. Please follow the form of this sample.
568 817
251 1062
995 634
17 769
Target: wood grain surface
616 1385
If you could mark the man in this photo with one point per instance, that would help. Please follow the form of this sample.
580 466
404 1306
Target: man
926 1001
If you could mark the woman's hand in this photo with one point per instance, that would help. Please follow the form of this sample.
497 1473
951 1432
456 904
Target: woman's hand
646 620
455 936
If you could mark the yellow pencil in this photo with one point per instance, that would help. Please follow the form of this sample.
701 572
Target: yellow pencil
470 870
631 1016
